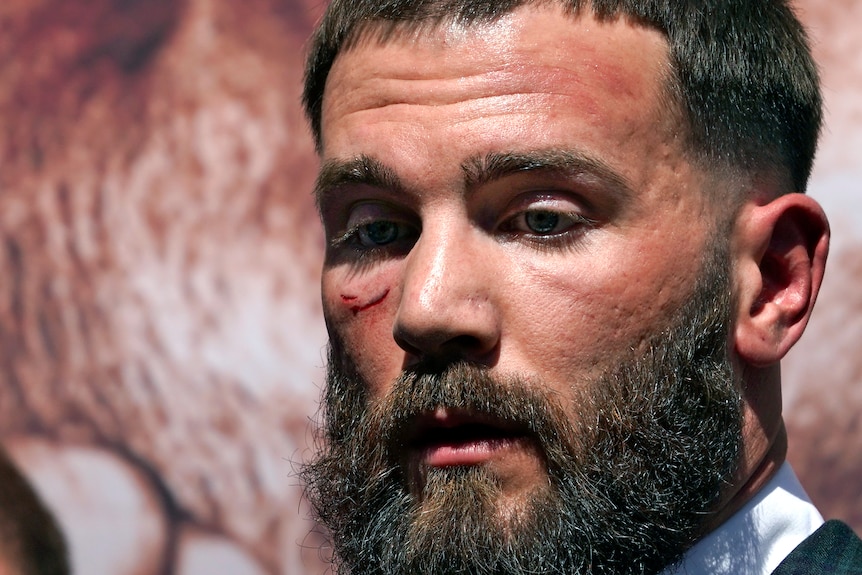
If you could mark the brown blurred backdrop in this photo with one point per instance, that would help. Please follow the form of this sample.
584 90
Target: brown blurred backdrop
823 374
160 334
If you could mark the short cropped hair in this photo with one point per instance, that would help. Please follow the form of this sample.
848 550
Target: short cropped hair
743 77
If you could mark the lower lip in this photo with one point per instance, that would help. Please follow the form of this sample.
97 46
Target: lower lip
466 453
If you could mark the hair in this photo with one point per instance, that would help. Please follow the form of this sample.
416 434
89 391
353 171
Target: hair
743 76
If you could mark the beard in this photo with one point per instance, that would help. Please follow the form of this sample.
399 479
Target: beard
633 473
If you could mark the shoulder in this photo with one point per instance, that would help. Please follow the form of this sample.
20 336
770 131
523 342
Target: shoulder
833 548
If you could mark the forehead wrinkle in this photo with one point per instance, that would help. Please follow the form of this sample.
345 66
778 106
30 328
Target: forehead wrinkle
506 88
379 81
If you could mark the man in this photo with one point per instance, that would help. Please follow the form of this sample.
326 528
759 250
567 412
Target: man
565 254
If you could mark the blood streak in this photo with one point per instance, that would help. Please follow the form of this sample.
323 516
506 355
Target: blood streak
356 308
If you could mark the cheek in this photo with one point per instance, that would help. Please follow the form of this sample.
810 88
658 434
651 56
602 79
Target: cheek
360 310
575 334
579 320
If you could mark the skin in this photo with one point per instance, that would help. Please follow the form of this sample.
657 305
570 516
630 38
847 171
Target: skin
468 278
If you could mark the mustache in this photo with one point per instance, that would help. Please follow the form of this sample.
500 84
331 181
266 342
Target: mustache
509 401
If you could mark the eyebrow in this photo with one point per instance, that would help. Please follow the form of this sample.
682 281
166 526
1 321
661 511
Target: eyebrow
360 170
481 170
477 171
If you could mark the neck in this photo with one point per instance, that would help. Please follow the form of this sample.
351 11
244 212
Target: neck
752 478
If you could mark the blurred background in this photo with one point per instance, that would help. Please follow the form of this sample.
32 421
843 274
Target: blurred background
161 339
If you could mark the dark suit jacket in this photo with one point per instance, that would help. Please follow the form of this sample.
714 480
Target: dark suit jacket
833 549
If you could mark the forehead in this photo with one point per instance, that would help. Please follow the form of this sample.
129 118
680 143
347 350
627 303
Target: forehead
531 50
537 78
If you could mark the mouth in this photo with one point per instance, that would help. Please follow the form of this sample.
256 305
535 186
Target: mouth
447 438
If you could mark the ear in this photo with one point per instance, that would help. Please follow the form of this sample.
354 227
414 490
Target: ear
780 252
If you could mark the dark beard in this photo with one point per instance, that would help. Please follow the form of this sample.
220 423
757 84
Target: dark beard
632 480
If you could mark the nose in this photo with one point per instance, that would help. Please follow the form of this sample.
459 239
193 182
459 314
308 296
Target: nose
447 310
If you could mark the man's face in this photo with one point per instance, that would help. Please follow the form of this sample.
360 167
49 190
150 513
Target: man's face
502 203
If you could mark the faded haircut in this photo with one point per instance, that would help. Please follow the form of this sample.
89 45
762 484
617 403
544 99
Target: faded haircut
743 78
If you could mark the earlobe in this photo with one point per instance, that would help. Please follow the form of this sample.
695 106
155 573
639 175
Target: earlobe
780 251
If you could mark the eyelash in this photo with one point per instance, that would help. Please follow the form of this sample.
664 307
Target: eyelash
351 240
566 238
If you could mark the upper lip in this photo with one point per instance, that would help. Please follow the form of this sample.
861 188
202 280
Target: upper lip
446 425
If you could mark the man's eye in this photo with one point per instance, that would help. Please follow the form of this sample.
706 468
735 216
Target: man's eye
375 225
377 234
544 222
380 233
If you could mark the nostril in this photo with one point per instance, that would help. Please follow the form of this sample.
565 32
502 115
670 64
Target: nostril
443 346
405 344
466 342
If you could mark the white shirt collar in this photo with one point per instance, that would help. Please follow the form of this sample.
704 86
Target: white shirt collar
758 536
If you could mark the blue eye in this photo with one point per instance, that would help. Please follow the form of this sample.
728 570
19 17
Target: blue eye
379 233
541 222
378 227
545 222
